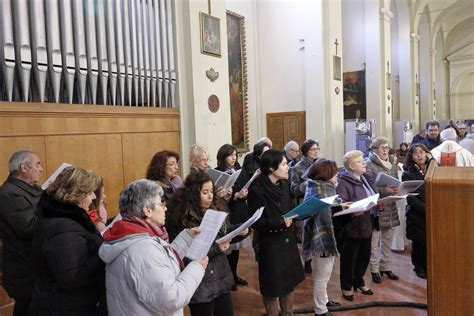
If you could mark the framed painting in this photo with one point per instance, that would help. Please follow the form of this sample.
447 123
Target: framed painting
337 71
210 34
354 95
238 80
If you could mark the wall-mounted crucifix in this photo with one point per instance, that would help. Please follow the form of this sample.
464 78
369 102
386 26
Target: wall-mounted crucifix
335 43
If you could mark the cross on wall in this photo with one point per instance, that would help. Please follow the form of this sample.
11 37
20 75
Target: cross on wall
337 44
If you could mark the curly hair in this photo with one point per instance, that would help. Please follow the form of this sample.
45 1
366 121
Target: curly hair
187 199
156 168
72 185
98 194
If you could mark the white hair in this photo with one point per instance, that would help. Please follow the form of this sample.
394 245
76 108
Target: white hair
17 159
288 145
448 134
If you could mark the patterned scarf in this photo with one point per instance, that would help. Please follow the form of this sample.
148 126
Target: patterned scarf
318 230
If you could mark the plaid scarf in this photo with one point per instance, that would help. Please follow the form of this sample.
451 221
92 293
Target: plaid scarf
318 231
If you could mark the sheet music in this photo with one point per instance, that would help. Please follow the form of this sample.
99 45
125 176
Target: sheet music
210 225
255 217
56 173
410 186
307 208
255 175
394 198
383 180
231 180
218 177
330 200
361 205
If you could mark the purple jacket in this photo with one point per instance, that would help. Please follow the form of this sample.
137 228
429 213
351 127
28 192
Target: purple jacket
351 189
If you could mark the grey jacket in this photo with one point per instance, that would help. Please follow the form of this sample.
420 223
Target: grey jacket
143 276
298 184
388 217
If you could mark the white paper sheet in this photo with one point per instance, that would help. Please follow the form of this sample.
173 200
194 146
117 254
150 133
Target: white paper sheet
255 175
330 200
255 217
394 198
210 225
361 205
53 177
383 180
231 180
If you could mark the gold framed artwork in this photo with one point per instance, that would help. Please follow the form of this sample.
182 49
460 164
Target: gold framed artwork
210 34
337 71
238 87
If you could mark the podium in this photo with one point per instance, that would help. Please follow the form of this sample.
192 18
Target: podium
450 239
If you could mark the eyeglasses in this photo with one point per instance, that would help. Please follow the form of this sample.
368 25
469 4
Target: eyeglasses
385 147
294 150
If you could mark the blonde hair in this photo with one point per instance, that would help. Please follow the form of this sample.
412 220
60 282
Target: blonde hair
73 184
197 153
350 156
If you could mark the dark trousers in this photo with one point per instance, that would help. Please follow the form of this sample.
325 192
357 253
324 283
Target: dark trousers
418 254
233 259
22 307
220 306
355 257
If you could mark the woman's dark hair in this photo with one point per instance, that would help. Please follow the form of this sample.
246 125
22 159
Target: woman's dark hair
306 146
225 151
409 162
156 168
187 199
323 170
270 161
406 146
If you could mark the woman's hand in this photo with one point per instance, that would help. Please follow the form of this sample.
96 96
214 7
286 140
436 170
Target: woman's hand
228 194
392 190
346 205
244 232
194 231
289 220
224 245
204 261
220 192
242 194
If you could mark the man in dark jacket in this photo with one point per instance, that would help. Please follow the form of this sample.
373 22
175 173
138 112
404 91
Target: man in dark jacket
18 200
433 140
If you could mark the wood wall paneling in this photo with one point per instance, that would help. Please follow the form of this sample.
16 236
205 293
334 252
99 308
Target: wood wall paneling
115 142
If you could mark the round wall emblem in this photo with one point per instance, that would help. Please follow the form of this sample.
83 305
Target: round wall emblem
213 103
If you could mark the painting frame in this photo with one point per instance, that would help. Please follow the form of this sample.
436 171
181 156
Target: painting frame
337 69
210 30
238 82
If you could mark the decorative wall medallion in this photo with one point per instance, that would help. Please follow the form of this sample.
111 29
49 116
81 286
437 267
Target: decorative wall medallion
212 75
337 90
213 103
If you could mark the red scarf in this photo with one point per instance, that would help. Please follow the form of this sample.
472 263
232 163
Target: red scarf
134 225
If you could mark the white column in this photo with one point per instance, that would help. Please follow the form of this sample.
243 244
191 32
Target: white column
324 106
387 111
432 100
415 110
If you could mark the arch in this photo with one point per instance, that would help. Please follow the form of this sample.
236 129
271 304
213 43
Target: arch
456 10
460 78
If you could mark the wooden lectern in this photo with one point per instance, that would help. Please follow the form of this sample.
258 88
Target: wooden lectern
450 239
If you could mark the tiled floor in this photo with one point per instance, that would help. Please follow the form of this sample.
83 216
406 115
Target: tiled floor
247 300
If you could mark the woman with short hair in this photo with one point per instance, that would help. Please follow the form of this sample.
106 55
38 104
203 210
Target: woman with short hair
199 158
69 275
145 273
354 231
164 169
319 242
279 265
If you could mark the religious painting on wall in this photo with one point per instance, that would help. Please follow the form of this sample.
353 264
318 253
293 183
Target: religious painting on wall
210 35
237 80
354 95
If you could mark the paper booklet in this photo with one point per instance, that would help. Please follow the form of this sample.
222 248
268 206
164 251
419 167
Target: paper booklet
383 180
394 198
222 179
310 207
361 205
236 232
210 225
53 177
410 186
255 175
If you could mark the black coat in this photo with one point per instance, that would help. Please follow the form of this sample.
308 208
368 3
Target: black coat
18 201
279 264
416 212
70 277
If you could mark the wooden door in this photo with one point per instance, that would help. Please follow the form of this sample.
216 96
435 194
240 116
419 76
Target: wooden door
285 126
